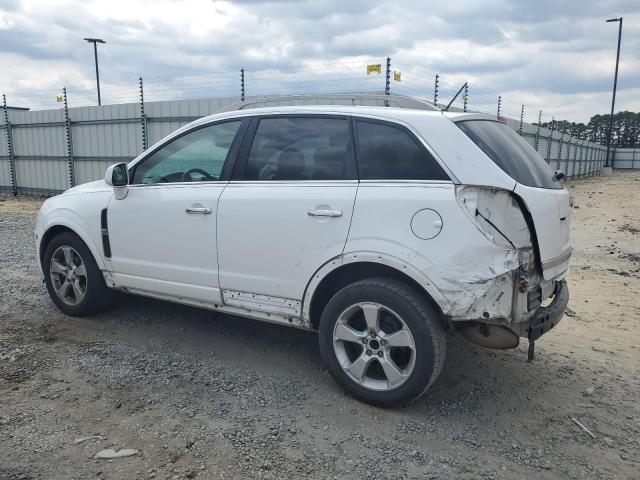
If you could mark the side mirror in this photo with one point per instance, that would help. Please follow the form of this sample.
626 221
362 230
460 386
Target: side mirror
117 176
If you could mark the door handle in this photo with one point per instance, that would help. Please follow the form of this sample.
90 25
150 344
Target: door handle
321 212
200 210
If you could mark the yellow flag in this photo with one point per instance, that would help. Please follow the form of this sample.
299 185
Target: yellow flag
374 68
397 76
59 98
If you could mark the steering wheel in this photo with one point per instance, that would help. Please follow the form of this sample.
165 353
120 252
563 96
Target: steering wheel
196 170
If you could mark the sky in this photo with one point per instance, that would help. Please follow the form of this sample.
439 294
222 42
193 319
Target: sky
552 55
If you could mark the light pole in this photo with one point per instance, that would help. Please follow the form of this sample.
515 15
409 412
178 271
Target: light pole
615 85
95 41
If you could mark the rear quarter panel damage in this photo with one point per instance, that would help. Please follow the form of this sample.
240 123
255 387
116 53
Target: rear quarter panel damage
464 272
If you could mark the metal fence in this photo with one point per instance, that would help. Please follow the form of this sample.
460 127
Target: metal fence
626 158
44 152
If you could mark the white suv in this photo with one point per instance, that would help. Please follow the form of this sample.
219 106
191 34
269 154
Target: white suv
378 227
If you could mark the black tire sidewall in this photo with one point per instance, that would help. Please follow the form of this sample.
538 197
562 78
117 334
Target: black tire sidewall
407 303
95 282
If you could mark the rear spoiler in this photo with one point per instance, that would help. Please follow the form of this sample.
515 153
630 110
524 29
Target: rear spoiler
461 117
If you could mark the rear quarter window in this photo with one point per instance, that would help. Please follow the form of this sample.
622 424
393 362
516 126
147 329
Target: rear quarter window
390 152
510 152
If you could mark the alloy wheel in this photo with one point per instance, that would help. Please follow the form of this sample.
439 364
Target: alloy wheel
68 275
374 346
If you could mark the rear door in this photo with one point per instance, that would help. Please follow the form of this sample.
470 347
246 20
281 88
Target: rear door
544 196
287 210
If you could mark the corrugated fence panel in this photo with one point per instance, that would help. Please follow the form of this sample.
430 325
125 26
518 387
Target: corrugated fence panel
627 158
40 141
113 133
159 128
3 139
31 139
90 170
41 175
555 146
542 147
120 137
5 179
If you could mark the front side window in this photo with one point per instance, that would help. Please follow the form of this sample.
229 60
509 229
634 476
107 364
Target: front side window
197 156
389 152
301 148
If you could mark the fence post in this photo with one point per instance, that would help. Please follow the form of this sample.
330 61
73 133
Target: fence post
521 119
538 130
566 159
578 155
466 97
560 150
435 90
143 118
9 139
499 104
242 84
387 84
582 158
612 158
575 156
633 158
550 143
599 163
67 123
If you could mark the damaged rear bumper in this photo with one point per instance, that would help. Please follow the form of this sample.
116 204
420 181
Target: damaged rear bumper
545 318
504 334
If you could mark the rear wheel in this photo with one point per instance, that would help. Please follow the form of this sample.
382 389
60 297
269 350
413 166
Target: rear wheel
73 279
382 341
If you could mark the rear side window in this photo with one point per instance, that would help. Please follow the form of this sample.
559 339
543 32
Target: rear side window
388 152
301 148
510 152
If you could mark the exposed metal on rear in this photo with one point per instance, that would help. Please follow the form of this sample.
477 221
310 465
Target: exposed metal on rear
490 336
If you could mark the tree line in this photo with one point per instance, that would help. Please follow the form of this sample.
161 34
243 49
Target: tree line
625 131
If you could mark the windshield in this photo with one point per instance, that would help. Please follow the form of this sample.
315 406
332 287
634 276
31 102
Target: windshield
510 152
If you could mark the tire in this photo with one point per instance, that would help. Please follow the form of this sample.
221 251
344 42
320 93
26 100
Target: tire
86 293
418 357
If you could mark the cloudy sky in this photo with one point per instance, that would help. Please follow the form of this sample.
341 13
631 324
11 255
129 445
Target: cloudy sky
554 55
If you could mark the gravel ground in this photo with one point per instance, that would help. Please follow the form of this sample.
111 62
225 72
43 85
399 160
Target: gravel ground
205 395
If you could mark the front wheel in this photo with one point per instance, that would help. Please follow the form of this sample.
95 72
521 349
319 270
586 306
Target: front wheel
382 341
73 279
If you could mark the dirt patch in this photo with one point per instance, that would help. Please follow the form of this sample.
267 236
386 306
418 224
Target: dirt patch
11 204
203 395
630 228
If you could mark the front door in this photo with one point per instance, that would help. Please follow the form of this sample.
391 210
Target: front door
163 234
287 210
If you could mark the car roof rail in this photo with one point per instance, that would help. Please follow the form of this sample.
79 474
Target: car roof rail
342 99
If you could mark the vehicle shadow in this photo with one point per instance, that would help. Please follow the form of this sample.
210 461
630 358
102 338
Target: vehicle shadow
473 378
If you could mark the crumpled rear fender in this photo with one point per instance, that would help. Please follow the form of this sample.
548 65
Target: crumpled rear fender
371 257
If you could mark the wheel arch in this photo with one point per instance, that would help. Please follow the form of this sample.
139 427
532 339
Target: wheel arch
55 228
351 267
